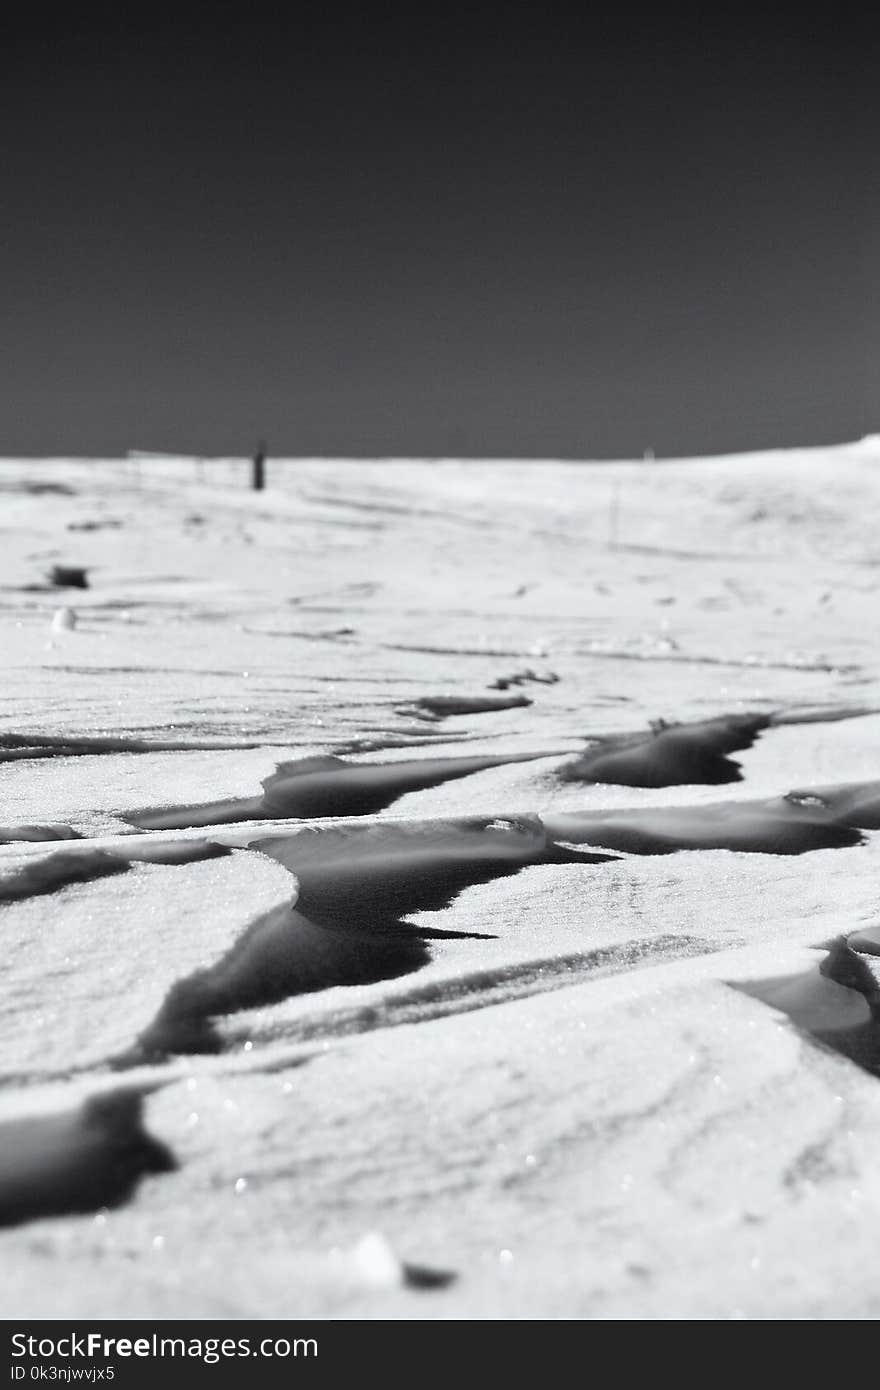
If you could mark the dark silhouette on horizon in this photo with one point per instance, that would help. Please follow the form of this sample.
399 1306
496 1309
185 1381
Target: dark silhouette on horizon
258 471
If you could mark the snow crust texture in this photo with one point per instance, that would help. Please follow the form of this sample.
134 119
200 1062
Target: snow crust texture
422 895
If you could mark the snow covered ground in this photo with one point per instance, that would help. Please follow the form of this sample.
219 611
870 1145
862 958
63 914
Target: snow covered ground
595 1098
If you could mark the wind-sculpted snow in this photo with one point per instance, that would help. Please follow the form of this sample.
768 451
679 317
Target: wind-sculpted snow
442 706
670 755
546 1085
820 714
852 803
76 1161
469 991
866 941
13 834
679 754
837 1003
171 852
57 870
328 786
20 747
85 863
346 928
348 874
664 755
792 824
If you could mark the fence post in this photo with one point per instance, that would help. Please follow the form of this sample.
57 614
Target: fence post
258 469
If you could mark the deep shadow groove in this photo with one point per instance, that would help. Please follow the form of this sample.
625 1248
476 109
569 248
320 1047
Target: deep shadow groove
36 834
661 756
792 824
77 1161
442 706
836 1004
83 864
18 747
173 852
484 989
669 755
58 870
346 927
329 786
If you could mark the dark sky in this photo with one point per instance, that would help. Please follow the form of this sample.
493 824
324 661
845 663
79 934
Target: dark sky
512 237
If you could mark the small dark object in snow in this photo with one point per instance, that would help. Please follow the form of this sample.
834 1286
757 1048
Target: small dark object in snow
421 1277
523 677
68 577
441 706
